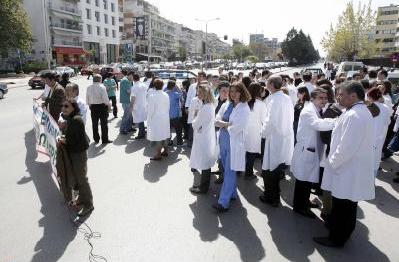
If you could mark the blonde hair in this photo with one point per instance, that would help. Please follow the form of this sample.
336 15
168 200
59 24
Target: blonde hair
208 96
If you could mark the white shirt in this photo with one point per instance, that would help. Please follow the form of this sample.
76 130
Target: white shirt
309 86
96 94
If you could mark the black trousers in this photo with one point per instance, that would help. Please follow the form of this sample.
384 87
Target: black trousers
177 125
114 107
205 180
271 180
99 113
262 150
301 195
342 220
249 163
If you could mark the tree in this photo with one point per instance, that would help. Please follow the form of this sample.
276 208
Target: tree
261 50
15 32
241 51
252 59
351 36
298 48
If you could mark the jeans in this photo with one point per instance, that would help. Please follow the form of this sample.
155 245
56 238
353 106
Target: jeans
141 129
127 119
114 107
393 146
176 124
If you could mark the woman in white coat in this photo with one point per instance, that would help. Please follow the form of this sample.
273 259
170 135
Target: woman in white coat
305 163
381 123
232 120
138 103
253 132
203 153
158 126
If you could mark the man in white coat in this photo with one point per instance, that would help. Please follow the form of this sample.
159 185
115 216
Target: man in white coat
279 144
348 173
305 164
138 104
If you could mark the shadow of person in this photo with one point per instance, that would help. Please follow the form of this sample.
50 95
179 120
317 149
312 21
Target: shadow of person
358 248
135 145
291 233
121 140
58 232
205 220
95 150
236 227
387 175
386 202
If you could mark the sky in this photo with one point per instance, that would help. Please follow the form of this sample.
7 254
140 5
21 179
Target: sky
238 19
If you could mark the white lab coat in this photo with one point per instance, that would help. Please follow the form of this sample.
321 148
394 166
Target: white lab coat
139 92
158 126
203 153
195 105
388 101
305 163
191 93
292 92
381 123
253 132
309 86
349 173
278 131
238 122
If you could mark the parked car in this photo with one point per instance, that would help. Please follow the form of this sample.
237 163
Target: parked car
65 70
312 70
36 81
180 75
3 90
349 67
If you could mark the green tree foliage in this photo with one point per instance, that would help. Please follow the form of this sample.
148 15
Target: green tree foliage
252 59
241 51
352 35
15 32
298 48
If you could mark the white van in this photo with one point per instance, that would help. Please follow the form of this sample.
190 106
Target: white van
349 68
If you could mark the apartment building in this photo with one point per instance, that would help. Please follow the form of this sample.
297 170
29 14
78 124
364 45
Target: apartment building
387 30
101 33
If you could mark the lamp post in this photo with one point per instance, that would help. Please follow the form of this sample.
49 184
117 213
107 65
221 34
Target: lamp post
206 36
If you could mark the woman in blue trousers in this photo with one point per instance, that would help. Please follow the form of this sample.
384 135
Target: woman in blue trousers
232 120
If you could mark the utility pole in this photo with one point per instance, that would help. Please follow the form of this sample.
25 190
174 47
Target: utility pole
206 38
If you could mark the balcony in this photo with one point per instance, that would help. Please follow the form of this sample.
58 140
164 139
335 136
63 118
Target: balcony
64 43
67 27
66 9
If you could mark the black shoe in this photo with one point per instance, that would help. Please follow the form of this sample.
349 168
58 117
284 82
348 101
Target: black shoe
140 137
327 242
179 143
107 142
197 190
170 143
268 200
396 180
305 212
219 208
85 211
250 177
219 180
96 141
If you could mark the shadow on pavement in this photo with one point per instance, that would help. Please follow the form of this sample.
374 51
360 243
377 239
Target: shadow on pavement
58 232
154 170
386 202
135 145
235 226
95 150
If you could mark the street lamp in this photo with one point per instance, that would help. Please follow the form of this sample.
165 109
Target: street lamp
206 35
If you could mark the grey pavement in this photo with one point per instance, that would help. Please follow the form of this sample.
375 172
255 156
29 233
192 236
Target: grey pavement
145 212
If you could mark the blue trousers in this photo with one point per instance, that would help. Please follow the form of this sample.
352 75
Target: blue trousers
394 144
229 187
127 119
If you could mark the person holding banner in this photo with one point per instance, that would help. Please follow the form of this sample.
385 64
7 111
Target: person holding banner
76 143
56 96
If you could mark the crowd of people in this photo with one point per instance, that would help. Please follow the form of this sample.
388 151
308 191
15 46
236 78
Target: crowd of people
329 132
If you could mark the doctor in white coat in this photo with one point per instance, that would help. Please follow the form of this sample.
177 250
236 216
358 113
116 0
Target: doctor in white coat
253 133
279 144
158 126
204 151
305 164
348 173
232 120
138 103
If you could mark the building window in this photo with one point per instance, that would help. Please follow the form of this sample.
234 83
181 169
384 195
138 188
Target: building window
121 29
121 19
106 18
106 31
88 1
89 29
88 13
112 7
98 30
105 4
97 15
97 3
113 33
113 20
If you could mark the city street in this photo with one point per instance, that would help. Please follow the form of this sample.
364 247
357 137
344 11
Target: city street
145 212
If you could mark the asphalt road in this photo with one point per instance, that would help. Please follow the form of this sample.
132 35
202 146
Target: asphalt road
145 212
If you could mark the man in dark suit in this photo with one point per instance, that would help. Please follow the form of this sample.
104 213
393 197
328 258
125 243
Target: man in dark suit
56 97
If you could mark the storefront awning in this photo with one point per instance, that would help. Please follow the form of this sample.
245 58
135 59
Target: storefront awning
70 50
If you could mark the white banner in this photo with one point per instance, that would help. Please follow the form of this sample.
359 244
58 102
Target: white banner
47 132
